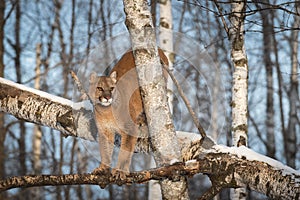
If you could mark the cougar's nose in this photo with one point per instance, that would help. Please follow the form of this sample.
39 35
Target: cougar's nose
107 97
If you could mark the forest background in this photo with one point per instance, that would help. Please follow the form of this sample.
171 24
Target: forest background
41 41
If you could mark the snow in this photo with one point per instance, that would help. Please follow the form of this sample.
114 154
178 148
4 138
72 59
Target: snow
239 151
188 136
37 92
191 162
174 160
83 104
251 155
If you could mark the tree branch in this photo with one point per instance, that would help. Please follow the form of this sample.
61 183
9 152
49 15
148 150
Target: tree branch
48 110
226 167
222 18
164 142
38 107
80 86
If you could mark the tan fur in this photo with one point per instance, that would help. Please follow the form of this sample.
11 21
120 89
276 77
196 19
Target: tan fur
118 109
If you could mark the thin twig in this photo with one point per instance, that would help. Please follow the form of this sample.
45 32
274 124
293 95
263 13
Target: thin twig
80 87
187 103
222 18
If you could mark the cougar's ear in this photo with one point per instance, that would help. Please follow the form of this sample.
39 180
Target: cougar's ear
113 76
93 77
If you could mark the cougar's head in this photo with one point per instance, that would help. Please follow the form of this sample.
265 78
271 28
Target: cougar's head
102 88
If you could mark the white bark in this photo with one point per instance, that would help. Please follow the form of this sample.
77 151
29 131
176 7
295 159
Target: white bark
240 82
151 80
166 43
37 133
227 167
41 108
48 110
241 167
240 75
153 89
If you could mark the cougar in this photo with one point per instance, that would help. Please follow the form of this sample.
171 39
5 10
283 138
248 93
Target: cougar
118 108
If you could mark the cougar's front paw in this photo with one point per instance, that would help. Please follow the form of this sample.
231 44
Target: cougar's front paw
102 169
119 174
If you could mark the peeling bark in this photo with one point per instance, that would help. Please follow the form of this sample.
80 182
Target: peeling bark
43 109
153 89
166 43
240 75
239 82
38 107
234 170
224 167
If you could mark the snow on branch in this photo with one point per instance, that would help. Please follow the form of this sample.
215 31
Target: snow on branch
227 167
233 167
45 109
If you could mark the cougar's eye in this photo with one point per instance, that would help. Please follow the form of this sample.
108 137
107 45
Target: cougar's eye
112 88
100 89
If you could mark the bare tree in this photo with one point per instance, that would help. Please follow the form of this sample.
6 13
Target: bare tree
68 31
291 136
267 24
226 167
166 43
240 82
161 128
37 132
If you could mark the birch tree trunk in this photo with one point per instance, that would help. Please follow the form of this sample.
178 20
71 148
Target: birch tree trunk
240 82
166 43
37 133
153 88
266 17
226 166
290 139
